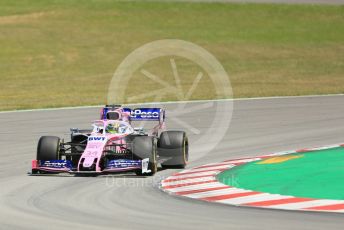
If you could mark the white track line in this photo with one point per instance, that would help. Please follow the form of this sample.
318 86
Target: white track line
174 102
252 198
215 168
306 204
179 177
216 193
188 181
194 187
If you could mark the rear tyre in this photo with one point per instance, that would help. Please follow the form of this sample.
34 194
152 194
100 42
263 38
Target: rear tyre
174 145
146 147
48 148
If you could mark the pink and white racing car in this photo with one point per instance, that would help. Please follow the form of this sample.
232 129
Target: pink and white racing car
114 145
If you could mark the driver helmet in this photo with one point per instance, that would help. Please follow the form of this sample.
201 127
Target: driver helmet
112 128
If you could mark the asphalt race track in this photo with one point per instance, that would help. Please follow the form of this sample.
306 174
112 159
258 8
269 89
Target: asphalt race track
128 202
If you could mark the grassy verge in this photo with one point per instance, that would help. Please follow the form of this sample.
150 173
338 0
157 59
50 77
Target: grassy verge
63 53
320 172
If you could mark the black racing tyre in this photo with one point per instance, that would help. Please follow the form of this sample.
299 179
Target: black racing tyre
174 145
48 148
146 147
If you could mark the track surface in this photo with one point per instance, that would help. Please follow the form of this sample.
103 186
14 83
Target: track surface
258 127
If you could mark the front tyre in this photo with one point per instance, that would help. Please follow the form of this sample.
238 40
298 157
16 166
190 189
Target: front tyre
48 148
146 147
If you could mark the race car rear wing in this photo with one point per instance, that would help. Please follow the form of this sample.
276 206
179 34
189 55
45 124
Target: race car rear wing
117 112
146 114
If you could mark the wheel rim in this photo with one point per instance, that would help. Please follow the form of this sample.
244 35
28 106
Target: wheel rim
155 165
186 150
58 150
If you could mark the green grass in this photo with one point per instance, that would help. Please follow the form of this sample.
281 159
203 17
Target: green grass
64 52
312 175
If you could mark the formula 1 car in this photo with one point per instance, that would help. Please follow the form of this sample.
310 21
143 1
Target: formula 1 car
114 145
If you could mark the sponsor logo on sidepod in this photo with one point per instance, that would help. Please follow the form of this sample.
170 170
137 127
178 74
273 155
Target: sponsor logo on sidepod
96 138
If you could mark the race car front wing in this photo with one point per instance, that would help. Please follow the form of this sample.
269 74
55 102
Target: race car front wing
112 166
